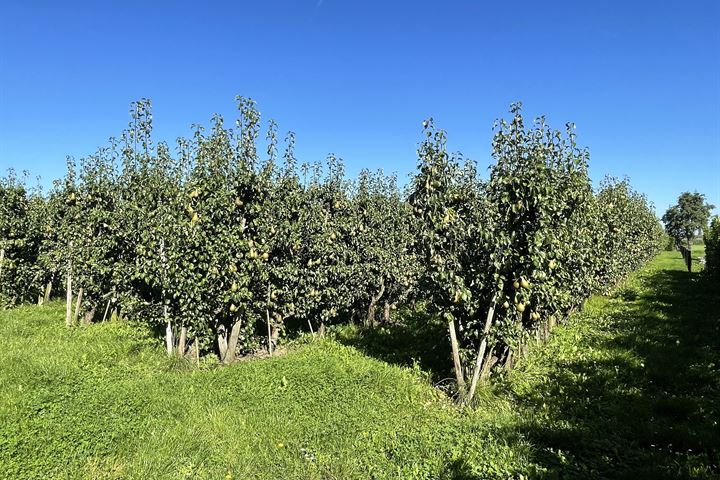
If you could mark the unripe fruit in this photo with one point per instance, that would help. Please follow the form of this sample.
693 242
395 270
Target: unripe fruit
520 307
552 264
524 283
265 256
233 308
506 304
516 284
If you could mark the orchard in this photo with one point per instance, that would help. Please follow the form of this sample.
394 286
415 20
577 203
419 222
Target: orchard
224 244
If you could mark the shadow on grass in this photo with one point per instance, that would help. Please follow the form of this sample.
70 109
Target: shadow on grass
638 398
415 340
647 406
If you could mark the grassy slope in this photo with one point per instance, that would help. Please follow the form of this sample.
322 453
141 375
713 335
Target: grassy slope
630 387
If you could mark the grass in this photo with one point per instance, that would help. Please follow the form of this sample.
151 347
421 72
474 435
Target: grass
631 387
628 388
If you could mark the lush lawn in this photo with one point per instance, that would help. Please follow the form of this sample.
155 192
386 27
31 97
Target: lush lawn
630 388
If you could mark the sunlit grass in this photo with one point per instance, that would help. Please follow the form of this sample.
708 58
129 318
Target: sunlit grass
627 388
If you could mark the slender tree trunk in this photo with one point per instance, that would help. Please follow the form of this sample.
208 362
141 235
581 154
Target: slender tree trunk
312 332
370 320
459 377
275 333
488 363
78 303
509 360
193 352
269 332
169 340
48 289
267 319
481 354
233 343
88 317
386 313
181 342
197 352
2 260
68 300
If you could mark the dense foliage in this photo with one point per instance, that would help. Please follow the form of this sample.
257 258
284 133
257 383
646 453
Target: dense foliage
712 248
226 248
508 258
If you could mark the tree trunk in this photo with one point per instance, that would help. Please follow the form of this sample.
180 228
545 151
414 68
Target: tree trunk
68 300
386 313
269 332
48 289
181 342
197 352
490 361
233 343
267 319
459 377
169 340
275 334
2 260
370 319
312 332
193 352
88 317
509 360
481 354
78 303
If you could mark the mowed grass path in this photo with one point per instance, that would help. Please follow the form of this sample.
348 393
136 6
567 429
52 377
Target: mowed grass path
628 388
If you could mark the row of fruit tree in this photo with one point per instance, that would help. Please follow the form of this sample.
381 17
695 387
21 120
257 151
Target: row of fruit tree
224 243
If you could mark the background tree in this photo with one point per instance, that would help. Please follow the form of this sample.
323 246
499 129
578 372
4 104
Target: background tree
688 217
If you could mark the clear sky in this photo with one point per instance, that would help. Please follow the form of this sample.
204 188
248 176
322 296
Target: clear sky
641 79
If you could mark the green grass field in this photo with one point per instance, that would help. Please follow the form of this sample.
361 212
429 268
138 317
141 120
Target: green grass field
628 388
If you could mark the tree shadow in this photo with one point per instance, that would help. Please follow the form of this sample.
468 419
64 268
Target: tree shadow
413 340
649 405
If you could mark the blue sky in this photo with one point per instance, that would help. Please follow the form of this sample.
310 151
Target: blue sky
641 79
